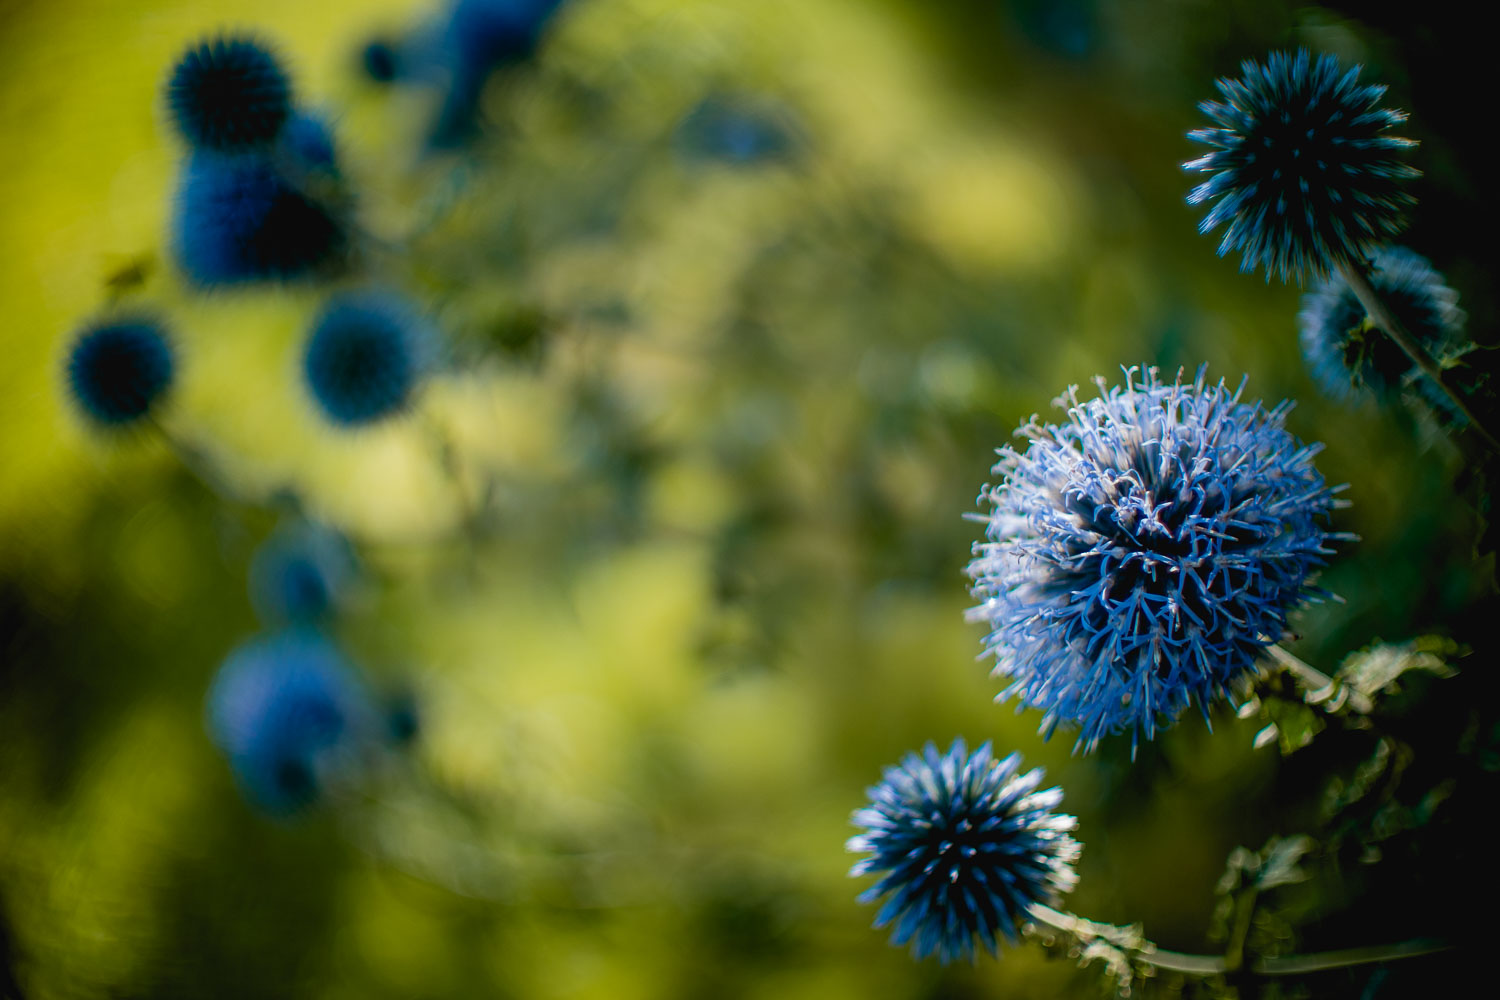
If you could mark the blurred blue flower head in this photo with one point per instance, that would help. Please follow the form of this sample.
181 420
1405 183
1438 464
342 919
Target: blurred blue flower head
365 357
1303 172
291 716
736 130
229 94
300 574
966 845
119 370
238 220
1142 553
1350 359
305 149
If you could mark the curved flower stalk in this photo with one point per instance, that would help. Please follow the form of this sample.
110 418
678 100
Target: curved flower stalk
1142 554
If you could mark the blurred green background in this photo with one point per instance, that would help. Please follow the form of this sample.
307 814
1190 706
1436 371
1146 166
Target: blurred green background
723 421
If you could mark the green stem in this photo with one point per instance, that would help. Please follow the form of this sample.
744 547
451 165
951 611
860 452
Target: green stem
1140 950
1381 315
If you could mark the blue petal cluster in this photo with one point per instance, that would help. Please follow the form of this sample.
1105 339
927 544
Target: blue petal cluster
242 219
300 574
967 845
736 130
229 94
1141 554
291 715
1347 357
365 357
1303 172
118 371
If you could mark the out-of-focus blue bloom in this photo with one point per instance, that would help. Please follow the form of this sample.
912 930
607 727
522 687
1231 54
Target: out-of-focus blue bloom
966 846
1141 554
1067 28
300 574
459 52
736 130
291 715
229 94
365 357
119 370
1303 172
305 150
1346 356
239 219
380 60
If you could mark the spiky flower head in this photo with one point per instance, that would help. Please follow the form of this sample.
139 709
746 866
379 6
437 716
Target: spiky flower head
300 574
1303 172
1349 358
229 94
118 371
1143 552
967 845
292 717
242 219
365 358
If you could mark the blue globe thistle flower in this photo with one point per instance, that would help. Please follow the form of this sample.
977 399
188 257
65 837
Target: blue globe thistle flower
1349 359
967 846
1303 171
365 358
479 37
291 715
1143 553
381 60
306 147
238 220
300 574
118 371
229 94
738 131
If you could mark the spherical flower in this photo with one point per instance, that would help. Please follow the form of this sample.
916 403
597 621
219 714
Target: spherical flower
1142 554
291 715
365 358
1302 169
229 94
305 147
239 219
381 60
118 371
300 574
1347 356
967 846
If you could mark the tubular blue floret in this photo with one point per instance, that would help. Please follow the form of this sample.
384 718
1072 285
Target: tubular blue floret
1349 359
118 371
240 219
1302 171
300 574
229 94
291 715
966 845
1141 554
365 357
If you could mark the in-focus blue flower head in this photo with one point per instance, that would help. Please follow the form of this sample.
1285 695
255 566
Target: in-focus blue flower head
301 574
291 715
239 220
118 371
1350 359
965 845
1142 553
736 130
229 94
365 357
1303 171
